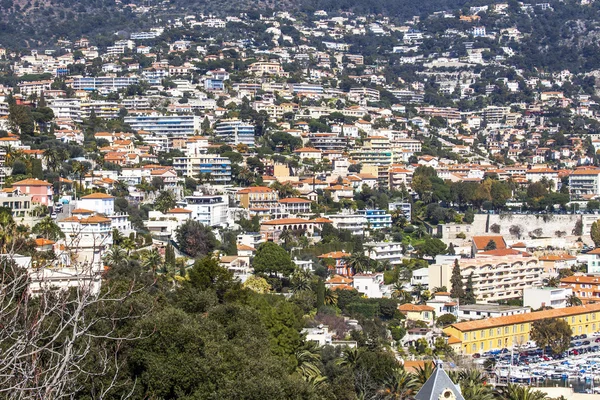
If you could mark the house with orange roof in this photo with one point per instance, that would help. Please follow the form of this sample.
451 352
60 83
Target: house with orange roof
481 242
87 238
257 197
490 334
337 262
306 153
417 312
272 229
553 263
295 205
41 192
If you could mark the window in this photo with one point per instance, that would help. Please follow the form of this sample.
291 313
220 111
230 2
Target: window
491 332
466 336
499 343
474 347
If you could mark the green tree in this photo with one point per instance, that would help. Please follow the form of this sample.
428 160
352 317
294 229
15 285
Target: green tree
165 201
48 229
553 332
518 392
595 233
272 259
456 282
195 239
432 247
491 245
469 291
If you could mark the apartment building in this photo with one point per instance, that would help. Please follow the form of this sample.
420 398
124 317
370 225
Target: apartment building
104 83
295 205
209 210
257 197
20 205
377 219
547 297
40 191
67 109
584 182
514 331
214 168
494 278
354 223
390 252
234 132
584 287
164 125
87 238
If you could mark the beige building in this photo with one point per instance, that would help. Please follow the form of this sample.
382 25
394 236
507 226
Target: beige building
494 278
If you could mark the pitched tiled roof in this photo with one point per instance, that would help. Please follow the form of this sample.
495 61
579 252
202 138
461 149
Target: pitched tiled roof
522 318
482 241
31 182
98 196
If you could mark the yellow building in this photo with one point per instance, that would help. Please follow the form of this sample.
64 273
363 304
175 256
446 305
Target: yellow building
505 332
417 312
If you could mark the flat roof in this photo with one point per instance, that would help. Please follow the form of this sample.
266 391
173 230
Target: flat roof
490 307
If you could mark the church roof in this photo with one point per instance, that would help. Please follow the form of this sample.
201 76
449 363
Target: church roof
439 386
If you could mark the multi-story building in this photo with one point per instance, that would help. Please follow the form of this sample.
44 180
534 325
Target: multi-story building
215 169
164 125
584 287
104 83
371 285
101 108
294 205
20 205
390 252
482 311
494 278
209 210
584 182
69 109
514 331
547 297
40 191
354 223
87 238
377 219
257 198
234 132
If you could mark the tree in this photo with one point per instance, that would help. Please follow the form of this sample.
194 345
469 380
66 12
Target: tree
573 300
595 233
151 260
257 284
115 257
208 274
553 332
516 230
469 291
517 392
432 247
456 290
400 385
272 259
165 201
446 319
491 245
48 229
195 239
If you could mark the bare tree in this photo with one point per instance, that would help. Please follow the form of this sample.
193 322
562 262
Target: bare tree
60 332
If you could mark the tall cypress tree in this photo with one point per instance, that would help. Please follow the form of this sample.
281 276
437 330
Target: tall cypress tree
469 292
456 283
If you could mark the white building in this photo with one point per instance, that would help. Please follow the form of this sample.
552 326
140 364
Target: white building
351 222
546 297
87 238
209 210
371 285
481 311
384 251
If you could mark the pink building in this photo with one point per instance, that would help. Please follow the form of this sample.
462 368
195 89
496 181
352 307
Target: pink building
40 191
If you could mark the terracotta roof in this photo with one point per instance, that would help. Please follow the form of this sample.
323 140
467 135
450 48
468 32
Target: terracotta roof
335 255
581 279
342 287
255 189
43 242
408 307
179 211
453 340
82 211
307 150
338 280
245 247
522 318
482 241
228 259
31 182
294 200
519 245
286 221
557 257
502 252
322 221
595 251
98 196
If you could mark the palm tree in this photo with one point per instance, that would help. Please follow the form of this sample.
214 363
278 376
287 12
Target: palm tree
423 373
151 260
287 236
52 158
331 297
350 357
357 261
553 282
80 169
300 280
398 292
115 257
48 229
573 300
517 392
400 385
129 245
